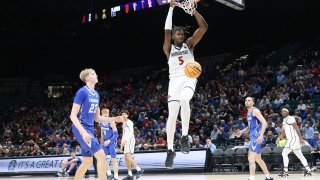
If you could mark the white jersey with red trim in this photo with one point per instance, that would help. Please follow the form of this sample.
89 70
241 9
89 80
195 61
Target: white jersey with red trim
178 59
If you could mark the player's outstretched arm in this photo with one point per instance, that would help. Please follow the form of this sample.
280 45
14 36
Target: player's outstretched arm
102 119
167 31
198 34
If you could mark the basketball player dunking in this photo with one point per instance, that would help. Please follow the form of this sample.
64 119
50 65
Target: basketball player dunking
181 87
256 130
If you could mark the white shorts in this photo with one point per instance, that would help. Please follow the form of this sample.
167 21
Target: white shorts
129 147
177 84
293 144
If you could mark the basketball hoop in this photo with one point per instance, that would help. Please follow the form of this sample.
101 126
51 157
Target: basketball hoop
189 6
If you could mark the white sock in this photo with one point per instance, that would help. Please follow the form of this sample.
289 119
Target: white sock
170 147
285 169
109 172
138 168
116 175
130 173
268 176
251 177
308 168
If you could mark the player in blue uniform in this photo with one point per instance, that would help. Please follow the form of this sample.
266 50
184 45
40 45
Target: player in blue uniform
85 110
109 138
69 167
256 126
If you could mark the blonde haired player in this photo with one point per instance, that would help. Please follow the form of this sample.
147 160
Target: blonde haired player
294 140
181 87
127 146
85 110
109 138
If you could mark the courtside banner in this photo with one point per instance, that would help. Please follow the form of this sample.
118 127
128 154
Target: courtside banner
149 160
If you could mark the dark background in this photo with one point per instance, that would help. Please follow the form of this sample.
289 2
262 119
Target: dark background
46 37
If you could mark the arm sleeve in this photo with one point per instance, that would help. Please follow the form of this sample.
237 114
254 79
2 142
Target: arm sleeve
115 136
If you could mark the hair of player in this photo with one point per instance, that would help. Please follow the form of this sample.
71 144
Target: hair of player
184 29
124 111
84 73
253 99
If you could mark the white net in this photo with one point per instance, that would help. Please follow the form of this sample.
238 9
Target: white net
189 6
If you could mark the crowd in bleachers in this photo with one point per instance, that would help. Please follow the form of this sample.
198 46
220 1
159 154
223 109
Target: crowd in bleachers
217 108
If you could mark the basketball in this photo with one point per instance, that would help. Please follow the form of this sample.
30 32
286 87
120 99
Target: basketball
193 69
282 143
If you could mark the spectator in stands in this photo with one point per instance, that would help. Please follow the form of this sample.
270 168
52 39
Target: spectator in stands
196 143
279 128
301 106
270 128
316 126
278 102
77 150
214 132
222 137
240 125
314 141
37 151
281 78
264 102
246 141
160 143
309 119
210 145
308 130
224 126
270 137
146 147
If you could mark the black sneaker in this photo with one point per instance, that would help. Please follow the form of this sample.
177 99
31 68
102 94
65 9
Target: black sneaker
139 173
169 160
284 174
269 178
307 173
128 178
111 177
86 176
185 145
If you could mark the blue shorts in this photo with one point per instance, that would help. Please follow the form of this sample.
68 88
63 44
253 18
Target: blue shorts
254 146
87 150
73 171
110 150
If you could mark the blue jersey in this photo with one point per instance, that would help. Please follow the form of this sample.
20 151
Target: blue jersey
89 102
107 132
254 125
78 162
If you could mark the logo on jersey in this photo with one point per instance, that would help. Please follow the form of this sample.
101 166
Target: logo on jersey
254 146
179 53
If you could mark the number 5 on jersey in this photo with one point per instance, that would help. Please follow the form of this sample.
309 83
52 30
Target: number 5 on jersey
181 61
